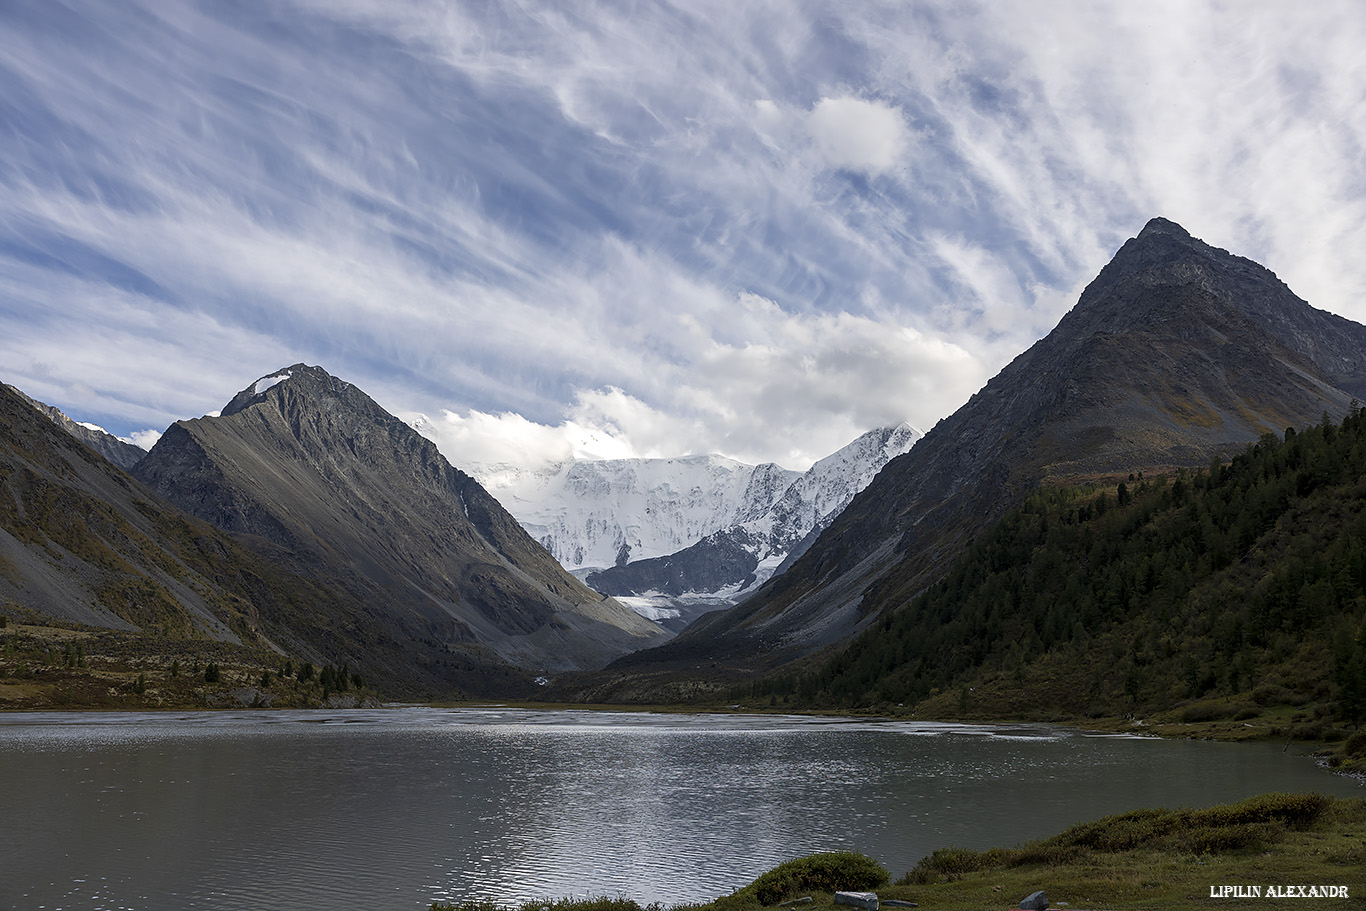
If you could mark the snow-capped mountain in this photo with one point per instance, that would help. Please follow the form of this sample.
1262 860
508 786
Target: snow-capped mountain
676 537
610 512
730 563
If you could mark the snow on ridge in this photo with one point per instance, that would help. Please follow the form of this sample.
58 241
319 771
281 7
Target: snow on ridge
266 382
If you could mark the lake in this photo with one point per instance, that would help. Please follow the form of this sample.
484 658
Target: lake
396 808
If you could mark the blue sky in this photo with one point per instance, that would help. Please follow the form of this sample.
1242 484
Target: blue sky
613 229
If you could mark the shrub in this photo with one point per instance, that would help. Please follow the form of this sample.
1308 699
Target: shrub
835 871
561 904
1355 747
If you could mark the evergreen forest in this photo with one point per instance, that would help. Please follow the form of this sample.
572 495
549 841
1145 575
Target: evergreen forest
1234 593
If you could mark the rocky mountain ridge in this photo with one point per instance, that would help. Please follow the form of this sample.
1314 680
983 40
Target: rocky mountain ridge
120 452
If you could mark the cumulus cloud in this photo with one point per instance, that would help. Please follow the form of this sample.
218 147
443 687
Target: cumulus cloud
143 439
842 133
478 438
782 389
859 135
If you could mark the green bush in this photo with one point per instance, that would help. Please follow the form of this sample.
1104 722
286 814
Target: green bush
1355 747
560 904
835 871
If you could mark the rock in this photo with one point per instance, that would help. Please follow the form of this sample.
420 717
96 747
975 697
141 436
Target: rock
857 899
1035 901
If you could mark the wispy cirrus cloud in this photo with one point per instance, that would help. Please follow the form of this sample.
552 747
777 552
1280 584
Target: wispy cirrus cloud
757 229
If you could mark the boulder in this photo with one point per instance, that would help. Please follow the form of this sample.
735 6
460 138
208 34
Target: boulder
857 899
1035 901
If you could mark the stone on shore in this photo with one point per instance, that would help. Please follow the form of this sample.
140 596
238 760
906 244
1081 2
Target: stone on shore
1035 901
857 899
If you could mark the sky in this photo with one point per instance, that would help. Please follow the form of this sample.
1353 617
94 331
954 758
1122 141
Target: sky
616 229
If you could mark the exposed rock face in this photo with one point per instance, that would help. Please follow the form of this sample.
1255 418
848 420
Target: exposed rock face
1178 352
124 455
721 563
313 470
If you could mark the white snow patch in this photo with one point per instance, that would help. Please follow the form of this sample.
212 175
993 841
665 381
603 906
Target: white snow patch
266 382
89 426
648 607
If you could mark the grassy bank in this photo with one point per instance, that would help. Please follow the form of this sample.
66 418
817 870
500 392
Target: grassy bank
54 665
1149 859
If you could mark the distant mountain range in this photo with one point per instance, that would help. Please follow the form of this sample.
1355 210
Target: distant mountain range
1176 354
676 537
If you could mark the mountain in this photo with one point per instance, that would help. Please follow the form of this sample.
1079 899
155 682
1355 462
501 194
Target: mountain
81 541
1218 596
1176 354
729 564
594 514
309 471
121 453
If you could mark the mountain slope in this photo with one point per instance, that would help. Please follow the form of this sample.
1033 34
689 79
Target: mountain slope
1178 352
307 468
82 541
1245 584
124 455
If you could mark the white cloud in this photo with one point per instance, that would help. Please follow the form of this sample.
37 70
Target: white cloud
144 439
777 388
478 438
858 135
839 133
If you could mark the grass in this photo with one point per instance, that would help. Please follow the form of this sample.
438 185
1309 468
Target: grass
1150 859
54 665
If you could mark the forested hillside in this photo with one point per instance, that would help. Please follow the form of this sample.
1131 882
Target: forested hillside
1234 592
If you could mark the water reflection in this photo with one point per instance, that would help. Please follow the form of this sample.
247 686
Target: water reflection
397 808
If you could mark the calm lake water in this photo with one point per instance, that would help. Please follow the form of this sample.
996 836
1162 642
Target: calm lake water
397 808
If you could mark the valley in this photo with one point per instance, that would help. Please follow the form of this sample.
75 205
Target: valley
1189 397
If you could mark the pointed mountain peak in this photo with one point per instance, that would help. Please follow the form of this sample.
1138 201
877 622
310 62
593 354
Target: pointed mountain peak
1165 226
299 374
1193 276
